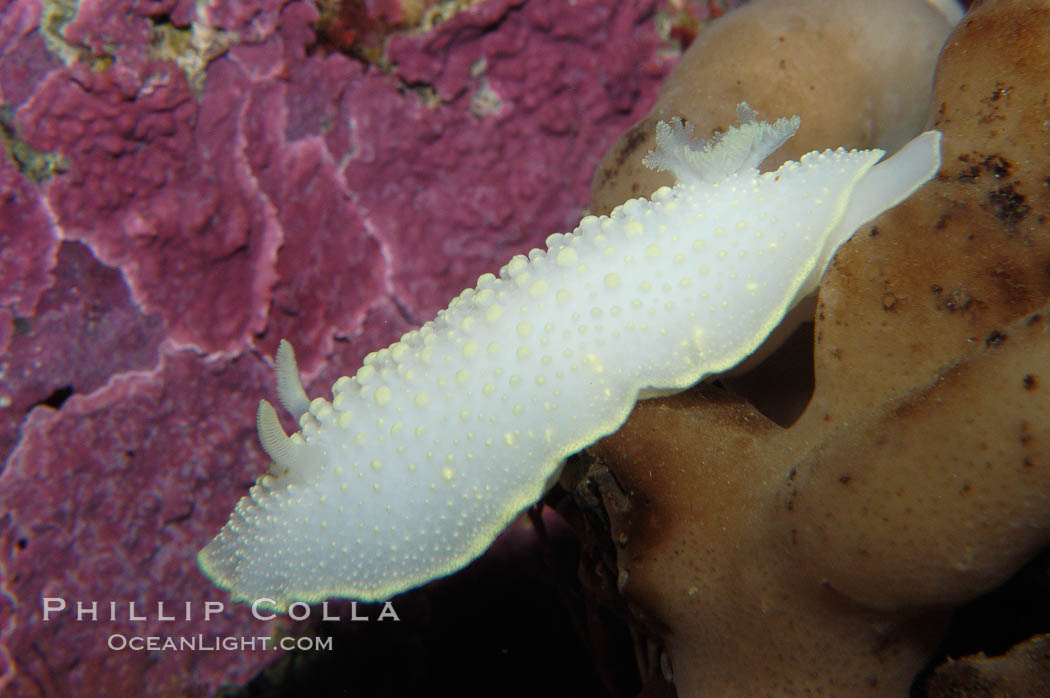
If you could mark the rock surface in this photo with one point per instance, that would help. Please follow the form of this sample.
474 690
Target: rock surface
186 183
830 550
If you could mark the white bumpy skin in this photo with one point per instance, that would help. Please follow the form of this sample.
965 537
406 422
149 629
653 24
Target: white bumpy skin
440 440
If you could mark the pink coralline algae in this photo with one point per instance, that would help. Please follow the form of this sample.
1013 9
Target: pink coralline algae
174 200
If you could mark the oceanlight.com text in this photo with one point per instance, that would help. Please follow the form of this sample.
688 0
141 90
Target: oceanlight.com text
201 643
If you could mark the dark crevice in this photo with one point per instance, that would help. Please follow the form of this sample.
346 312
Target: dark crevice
995 622
56 399
781 386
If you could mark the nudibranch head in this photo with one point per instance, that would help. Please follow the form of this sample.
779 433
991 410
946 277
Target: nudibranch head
440 440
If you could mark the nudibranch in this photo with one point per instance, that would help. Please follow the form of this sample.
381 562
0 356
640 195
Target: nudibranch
441 439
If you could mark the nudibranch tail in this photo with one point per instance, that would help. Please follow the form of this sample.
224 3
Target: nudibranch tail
440 440
881 188
890 182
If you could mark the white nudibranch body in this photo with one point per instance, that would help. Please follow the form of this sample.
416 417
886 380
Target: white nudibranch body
440 440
